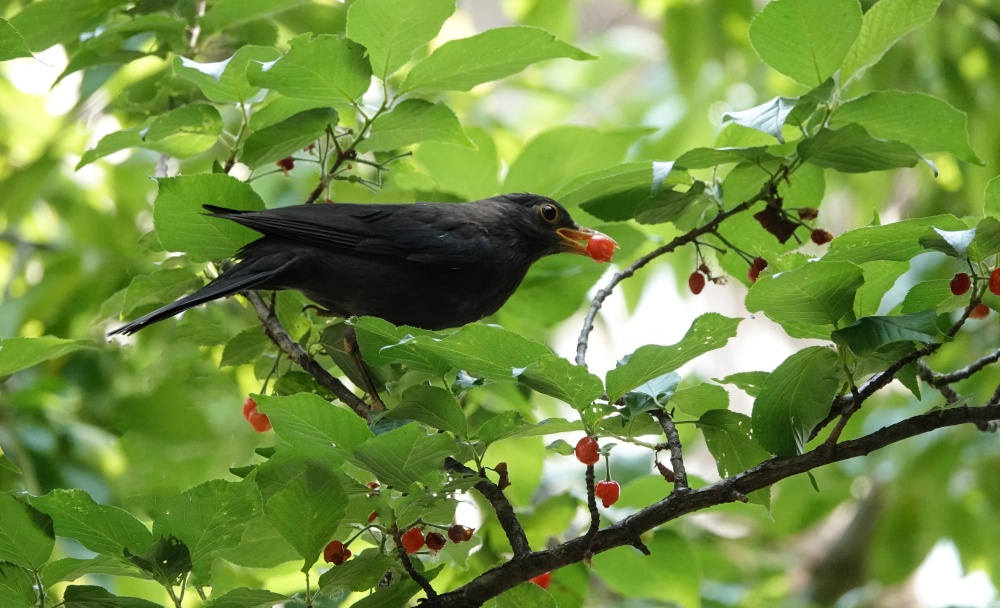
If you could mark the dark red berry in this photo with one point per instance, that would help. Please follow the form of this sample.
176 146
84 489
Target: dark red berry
286 164
249 405
960 284
373 516
587 451
543 580
336 553
459 533
981 311
435 541
820 236
696 282
413 540
608 492
995 282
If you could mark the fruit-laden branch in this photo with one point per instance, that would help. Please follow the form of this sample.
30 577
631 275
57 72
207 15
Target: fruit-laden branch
505 512
510 574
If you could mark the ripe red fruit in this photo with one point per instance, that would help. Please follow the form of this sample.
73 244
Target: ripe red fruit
696 282
601 247
981 311
336 553
820 236
587 451
413 540
608 492
435 541
459 533
543 580
960 284
995 282
286 164
258 421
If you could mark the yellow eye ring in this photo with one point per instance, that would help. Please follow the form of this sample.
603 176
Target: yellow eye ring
549 213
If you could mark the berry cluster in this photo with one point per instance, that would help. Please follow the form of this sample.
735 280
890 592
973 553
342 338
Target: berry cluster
589 453
962 282
258 421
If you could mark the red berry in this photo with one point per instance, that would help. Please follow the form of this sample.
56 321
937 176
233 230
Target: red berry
696 282
413 540
995 282
981 311
336 553
608 492
459 533
820 236
601 247
543 580
587 451
960 284
258 421
436 541
249 406
286 164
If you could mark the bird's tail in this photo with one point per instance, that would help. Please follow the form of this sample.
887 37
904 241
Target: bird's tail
226 284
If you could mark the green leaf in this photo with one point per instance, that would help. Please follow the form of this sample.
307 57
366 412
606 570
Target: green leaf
730 440
928 123
898 242
17 587
70 569
806 40
309 420
880 277
159 287
246 347
954 243
17 354
991 198
277 141
226 81
358 574
461 64
769 117
613 194
748 382
810 301
869 334
114 142
670 205
633 575
411 122
432 405
708 332
307 512
209 518
651 395
560 155
486 351
245 597
852 150
468 174
392 29
181 223
184 132
227 13
554 376
701 398
987 240
525 594
12 44
795 398
702 158
26 534
325 68
103 529
406 455
511 424
885 23
383 343
166 561
932 295
48 22
92 596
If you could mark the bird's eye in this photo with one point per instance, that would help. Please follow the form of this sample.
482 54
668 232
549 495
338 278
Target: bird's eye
549 213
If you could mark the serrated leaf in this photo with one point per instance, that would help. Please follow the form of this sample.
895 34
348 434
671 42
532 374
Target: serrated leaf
795 398
114 142
226 81
103 529
180 220
707 333
954 243
482 350
26 534
928 123
511 424
852 150
280 140
810 301
869 334
696 400
897 242
406 455
17 354
702 158
325 68
554 376
461 64
383 343
358 574
391 30
159 287
166 561
883 24
729 438
246 347
309 420
17 587
12 44
411 122
932 295
806 40
880 277
433 406
748 382
769 117
669 205
245 597
307 511
185 131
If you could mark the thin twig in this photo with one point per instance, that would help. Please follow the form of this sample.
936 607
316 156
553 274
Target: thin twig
927 375
505 512
966 372
674 445
595 515
408 565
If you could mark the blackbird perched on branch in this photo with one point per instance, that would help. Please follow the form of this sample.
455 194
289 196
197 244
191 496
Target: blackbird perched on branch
430 265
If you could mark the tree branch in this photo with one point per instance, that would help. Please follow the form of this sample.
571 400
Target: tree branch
496 581
505 512
674 445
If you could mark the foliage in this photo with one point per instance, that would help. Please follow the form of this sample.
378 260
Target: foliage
127 463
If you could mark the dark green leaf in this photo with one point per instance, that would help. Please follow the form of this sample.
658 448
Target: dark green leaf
652 395
511 424
869 334
166 561
702 158
748 382
613 194
114 142
670 205
391 30
244 597
729 438
227 13
159 287
70 569
954 243
932 295
987 240
103 529
307 511
246 347
360 573
383 343
17 587
92 596
26 534
406 455
557 377
852 150
433 406
277 141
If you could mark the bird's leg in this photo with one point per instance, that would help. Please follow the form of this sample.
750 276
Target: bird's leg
354 352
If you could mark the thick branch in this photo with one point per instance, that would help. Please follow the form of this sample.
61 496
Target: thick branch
510 574
278 335
505 512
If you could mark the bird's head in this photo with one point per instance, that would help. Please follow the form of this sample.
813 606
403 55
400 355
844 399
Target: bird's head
549 226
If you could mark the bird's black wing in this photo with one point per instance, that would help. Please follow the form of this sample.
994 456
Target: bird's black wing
426 233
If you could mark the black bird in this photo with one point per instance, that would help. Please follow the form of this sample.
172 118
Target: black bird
430 265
